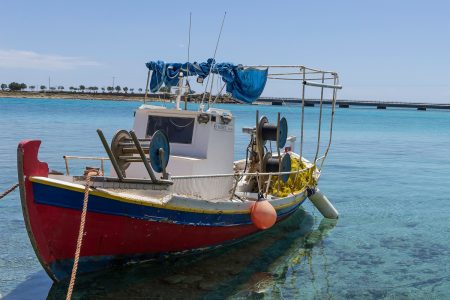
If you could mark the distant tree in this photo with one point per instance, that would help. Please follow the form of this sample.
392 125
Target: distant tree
72 89
140 90
110 89
82 88
4 86
125 89
53 89
32 87
118 88
132 90
103 89
95 89
42 87
14 86
61 88
23 86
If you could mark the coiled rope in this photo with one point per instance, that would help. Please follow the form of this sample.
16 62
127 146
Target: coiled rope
12 188
88 173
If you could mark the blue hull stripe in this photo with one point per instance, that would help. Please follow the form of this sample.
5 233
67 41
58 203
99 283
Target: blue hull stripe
49 195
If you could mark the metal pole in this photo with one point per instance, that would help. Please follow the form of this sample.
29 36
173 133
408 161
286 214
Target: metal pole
142 154
210 91
180 90
214 57
110 155
322 85
188 58
259 147
333 108
320 120
146 86
303 116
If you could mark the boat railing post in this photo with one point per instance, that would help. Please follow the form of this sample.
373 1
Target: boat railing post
269 181
102 166
67 165
259 143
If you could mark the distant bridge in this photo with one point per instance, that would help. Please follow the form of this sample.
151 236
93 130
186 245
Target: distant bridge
348 103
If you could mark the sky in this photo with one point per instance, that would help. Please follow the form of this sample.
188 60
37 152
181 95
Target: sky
382 50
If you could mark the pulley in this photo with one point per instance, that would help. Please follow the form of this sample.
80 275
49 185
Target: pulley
269 132
124 149
274 164
117 148
159 151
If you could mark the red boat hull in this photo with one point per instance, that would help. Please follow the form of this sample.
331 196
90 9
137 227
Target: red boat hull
115 233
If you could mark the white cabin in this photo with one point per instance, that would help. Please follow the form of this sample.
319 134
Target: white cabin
201 143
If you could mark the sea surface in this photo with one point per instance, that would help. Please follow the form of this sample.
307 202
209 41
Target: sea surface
388 174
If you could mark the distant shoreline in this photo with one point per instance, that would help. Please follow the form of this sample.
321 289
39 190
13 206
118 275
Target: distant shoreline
101 96
197 98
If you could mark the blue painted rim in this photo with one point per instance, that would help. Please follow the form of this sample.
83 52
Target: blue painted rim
282 137
159 140
285 167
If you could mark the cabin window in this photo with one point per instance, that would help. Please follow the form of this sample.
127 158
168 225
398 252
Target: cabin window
178 130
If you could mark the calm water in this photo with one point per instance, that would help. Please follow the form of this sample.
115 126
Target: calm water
388 174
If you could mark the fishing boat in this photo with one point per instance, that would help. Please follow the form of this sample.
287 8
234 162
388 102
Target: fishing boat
173 187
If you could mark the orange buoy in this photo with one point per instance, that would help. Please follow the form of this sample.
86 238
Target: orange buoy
263 214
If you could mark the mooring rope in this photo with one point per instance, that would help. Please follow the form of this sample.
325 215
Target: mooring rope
12 188
80 233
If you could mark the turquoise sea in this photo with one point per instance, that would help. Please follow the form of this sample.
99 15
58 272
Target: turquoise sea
388 174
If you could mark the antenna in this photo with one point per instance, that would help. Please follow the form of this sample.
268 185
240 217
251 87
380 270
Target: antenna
214 57
187 76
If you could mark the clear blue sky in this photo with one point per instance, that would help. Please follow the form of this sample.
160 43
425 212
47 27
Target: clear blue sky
386 50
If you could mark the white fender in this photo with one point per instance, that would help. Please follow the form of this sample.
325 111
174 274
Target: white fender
323 205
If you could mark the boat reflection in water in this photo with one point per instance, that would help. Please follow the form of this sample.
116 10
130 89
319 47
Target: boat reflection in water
252 268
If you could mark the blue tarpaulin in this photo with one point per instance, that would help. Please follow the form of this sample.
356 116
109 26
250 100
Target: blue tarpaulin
245 85
167 73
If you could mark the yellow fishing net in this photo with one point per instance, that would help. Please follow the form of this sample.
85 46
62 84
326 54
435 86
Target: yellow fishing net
296 182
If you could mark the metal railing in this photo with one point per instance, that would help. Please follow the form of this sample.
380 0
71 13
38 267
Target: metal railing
310 77
70 157
102 168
